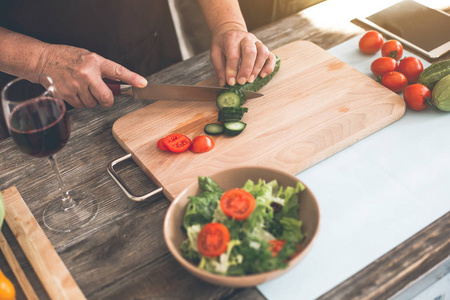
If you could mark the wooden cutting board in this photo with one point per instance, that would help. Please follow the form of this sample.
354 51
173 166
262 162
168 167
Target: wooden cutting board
315 106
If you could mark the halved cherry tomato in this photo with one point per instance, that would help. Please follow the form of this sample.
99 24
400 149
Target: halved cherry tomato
392 48
213 239
237 203
417 96
177 142
371 42
202 143
395 81
411 67
161 145
275 246
382 65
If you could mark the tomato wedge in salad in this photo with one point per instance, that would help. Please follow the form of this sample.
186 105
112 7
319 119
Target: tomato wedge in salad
177 142
237 203
275 246
213 239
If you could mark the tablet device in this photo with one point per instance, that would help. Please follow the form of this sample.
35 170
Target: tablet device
424 29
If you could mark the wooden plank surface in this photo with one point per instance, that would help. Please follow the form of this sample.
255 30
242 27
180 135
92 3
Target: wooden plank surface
315 106
47 264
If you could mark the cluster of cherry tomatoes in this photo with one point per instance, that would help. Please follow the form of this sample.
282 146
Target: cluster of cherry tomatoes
397 73
177 142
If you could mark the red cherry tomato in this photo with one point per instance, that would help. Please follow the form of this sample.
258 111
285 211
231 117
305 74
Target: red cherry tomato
202 143
275 246
371 42
237 203
395 81
417 96
177 142
213 239
411 67
161 145
392 48
382 65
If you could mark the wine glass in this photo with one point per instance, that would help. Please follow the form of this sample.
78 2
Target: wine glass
38 123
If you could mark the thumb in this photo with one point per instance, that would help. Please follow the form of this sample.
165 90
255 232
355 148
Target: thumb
114 71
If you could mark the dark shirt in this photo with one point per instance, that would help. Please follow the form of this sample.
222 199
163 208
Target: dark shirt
138 34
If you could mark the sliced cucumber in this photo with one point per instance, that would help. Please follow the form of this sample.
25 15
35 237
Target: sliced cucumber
230 101
233 128
214 128
229 98
231 113
234 109
229 118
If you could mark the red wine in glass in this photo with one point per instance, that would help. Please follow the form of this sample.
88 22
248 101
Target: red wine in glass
39 125
44 136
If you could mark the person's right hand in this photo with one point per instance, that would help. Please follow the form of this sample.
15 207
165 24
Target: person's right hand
78 75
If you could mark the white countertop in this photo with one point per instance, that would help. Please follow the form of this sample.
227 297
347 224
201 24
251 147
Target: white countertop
373 195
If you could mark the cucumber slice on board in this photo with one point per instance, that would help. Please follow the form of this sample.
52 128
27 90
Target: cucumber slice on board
213 128
233 128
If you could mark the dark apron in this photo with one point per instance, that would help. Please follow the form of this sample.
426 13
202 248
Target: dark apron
138 34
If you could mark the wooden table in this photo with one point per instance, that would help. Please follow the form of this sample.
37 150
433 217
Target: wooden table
122 254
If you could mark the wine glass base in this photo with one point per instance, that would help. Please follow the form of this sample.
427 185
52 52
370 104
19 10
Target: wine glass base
60 220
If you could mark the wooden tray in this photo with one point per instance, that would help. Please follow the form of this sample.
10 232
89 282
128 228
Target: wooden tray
48 266
314 107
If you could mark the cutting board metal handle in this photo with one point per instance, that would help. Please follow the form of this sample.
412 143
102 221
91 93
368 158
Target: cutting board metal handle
122 184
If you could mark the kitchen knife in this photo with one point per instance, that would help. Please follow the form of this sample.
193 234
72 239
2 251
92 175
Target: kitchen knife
172 92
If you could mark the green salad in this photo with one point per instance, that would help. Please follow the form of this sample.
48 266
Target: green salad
231 234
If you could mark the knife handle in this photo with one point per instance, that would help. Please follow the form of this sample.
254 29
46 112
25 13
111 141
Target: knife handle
118 88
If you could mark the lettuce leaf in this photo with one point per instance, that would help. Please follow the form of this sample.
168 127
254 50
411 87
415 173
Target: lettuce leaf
200 209
221 264
207 185
188 252
292 230
291 201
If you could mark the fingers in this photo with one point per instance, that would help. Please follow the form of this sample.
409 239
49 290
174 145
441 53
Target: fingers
113 70
100 91
249 53
263 59
232 54
269 65
218 61
244 56
78 75
68 91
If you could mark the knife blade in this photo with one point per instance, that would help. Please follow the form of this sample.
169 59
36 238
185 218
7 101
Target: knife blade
173 92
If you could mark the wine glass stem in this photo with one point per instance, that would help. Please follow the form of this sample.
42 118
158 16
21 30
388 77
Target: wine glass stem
67 201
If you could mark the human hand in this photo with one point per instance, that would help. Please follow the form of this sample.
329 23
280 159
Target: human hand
238 56
78 75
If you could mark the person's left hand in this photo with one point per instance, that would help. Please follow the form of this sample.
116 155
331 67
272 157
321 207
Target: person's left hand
239 57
